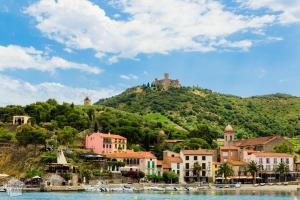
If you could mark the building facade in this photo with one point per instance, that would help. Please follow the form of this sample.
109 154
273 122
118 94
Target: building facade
269 160
134 161
105 143
20 120
204 158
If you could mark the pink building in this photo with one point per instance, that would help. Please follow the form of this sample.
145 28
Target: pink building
105 143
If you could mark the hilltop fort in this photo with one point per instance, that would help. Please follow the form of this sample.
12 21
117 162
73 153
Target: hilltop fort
166 82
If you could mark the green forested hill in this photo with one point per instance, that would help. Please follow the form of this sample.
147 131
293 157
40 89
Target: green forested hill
187 107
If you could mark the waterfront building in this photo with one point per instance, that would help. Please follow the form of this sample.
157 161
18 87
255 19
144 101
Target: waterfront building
173 162
269 160
204 158
105 143
134 161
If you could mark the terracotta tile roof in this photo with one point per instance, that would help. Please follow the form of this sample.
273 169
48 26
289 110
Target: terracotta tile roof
159 162
174 159
106 135
198 152
229 148
271 154
255 141
237 162
131 154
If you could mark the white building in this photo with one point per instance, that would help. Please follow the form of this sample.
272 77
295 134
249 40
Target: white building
20 120
205 159
173 162
268 160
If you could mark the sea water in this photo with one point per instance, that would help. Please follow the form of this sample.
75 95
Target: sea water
210 195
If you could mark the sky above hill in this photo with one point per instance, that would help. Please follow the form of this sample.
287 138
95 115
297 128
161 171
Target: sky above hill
69 49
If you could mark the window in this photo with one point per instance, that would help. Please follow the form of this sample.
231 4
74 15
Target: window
225 154
178 172
195 157
275 160
287 161
268 160
260 160
187 165
187 157
203 166
153 164
187 173
148 164
203 157
268 167
178 166
203 173
281 160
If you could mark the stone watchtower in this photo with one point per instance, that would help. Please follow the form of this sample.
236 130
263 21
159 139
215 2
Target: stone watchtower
228 136
87 101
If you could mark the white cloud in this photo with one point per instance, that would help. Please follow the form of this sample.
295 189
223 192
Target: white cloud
17 57
21 92
129 77
289 9
151 26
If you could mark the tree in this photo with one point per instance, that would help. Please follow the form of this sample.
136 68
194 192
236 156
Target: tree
282 169
197 170
66 135
170 177
27 134
253 168
225 170
6 134
283 148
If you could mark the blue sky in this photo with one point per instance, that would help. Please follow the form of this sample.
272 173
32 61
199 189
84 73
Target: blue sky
69 49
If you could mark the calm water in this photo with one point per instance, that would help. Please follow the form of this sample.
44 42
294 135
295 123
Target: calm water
219 195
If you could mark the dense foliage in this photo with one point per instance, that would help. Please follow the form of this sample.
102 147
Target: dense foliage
188 106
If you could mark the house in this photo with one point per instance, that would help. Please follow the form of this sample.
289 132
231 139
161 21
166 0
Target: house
105 143
134 161
173 162
269 160
205 159
266 144
229 153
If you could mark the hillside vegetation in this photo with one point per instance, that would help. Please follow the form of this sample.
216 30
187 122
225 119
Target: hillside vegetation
188 106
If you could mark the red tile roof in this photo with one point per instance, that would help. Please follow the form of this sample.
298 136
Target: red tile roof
229 148
198 152
131 154
271 154
255 141
174 159
108 135
237 162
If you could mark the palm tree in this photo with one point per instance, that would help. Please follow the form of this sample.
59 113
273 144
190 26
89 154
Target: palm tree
253 168
282 169
197 170
225 170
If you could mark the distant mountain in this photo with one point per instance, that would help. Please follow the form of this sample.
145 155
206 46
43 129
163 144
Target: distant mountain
189 106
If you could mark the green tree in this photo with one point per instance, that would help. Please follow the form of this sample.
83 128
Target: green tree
225 170
283 148
253 168
197 170
67 135
170 177
6 134
27 134
34 172
282 169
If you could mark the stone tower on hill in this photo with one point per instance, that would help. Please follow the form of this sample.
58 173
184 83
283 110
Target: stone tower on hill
87 101
166 82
